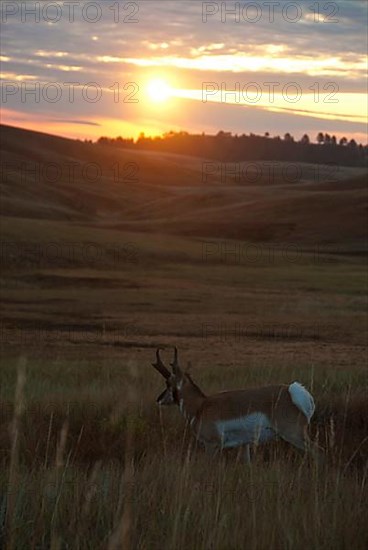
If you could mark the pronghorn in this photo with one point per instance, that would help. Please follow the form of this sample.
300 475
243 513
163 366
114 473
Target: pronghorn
241 417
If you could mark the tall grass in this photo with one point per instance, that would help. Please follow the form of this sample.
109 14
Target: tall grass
137 480
15 433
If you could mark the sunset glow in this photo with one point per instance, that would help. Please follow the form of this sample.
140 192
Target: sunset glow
152 75
158 90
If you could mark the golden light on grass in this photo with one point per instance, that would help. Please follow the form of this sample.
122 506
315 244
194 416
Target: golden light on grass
158 90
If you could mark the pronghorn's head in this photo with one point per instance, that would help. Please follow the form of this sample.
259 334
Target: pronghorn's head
174 380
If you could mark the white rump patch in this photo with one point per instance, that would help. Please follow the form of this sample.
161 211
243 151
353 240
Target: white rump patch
252 428
302 399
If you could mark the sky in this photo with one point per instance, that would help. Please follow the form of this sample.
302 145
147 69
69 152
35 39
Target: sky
90 69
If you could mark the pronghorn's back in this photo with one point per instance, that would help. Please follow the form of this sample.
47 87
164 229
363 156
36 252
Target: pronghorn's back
228 403
273 400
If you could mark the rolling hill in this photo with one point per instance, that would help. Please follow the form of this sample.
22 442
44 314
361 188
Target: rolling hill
51 178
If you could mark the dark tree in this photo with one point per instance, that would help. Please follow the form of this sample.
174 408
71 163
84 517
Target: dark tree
225 147
305 140
320 138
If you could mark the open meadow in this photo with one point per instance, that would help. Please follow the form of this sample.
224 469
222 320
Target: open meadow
255 283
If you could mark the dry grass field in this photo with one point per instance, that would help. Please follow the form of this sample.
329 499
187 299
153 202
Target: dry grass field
255 283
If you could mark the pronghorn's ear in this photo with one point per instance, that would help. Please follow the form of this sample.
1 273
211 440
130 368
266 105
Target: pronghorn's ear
175 364
160 367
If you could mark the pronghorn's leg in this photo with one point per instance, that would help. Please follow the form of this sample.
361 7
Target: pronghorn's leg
298 437
211 449
314 449
247 454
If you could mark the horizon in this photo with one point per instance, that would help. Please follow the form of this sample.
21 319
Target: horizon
132 67
165 135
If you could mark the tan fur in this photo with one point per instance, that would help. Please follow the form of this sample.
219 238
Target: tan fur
203 413
273 401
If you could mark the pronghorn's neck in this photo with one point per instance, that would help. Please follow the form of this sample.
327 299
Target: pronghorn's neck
190 397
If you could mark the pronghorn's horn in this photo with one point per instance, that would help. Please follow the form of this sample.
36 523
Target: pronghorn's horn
159 366
175 364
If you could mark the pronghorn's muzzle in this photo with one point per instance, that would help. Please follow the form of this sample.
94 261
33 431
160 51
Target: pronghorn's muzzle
166 397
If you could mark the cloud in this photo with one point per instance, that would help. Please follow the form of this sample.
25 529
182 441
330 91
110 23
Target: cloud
71 121
174 37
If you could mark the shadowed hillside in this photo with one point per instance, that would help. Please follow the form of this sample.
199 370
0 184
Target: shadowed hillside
46 177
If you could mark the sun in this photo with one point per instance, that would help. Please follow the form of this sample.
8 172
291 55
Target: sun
158 90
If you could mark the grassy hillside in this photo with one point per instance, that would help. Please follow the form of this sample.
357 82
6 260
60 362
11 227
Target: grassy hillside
53 178
255 284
